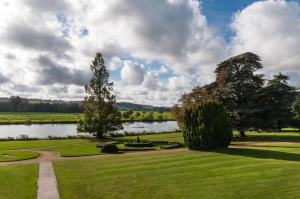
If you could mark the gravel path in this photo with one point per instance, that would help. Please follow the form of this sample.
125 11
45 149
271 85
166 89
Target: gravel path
47 185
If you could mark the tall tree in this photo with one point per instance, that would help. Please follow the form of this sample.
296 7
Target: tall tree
238 83
296 111
101 114
277 97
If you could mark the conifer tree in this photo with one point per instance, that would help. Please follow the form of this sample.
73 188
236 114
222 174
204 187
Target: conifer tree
100 113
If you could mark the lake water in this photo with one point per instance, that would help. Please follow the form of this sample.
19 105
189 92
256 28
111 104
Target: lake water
63 130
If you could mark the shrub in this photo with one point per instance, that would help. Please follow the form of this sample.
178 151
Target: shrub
207 126
139 144
109 148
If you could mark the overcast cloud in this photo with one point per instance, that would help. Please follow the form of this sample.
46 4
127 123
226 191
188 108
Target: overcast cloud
155 50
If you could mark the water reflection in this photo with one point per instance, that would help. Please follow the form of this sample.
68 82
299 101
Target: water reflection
64 130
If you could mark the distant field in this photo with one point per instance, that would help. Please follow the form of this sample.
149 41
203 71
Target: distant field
39 118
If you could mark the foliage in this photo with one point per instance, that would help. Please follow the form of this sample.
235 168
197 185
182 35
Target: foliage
250 101
277 98
150 116
101 115
18 104
177 113
296 111
109 148
207 126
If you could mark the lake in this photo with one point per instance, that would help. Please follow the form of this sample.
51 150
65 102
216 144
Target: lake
63 130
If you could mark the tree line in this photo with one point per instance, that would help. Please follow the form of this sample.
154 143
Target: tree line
253 102
18 104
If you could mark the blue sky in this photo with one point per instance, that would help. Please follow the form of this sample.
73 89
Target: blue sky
220 12
155 50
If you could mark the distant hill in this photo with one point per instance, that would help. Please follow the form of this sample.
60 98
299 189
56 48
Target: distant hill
140 107
61 105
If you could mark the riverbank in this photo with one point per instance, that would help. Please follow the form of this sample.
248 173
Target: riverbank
7 118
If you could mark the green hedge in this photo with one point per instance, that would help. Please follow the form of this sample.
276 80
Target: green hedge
207 126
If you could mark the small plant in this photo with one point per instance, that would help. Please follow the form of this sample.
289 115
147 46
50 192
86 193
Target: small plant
138 139
207 126
109 148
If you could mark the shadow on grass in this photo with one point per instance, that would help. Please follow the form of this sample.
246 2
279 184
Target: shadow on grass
268 138
260 153
266 146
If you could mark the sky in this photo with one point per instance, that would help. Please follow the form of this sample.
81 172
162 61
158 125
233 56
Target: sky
154 50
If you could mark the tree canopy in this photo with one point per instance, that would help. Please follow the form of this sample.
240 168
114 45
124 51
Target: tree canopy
251 100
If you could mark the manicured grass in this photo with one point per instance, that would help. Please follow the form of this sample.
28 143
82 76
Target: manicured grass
39 143
8 156
250 172
83 149
18 182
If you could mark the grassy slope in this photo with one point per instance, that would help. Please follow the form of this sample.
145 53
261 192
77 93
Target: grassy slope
21 118
18 182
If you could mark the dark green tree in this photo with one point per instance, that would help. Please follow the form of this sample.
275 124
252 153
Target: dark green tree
237 84
207 126
276 99
100 113
296 111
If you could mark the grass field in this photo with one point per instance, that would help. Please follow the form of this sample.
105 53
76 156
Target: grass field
18 182
40 118
5 145
7 156
244 172
265 165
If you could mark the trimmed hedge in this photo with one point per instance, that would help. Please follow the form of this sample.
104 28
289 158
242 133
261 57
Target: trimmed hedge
109 148
137 149
207 126
139 144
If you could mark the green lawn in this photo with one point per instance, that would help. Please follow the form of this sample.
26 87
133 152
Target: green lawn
7 156
18 182
32 117
4 145
84 149
244 172
250 172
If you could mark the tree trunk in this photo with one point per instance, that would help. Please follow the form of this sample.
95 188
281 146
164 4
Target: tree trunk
242 134
99 136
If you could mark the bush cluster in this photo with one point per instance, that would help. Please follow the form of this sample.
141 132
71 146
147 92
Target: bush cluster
109 148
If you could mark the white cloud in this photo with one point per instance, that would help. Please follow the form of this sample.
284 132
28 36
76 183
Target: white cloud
271 29
132 73
130 34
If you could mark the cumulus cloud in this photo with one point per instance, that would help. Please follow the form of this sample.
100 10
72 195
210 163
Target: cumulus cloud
270 29
53 73
132 73
156 50
29 37
3 79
